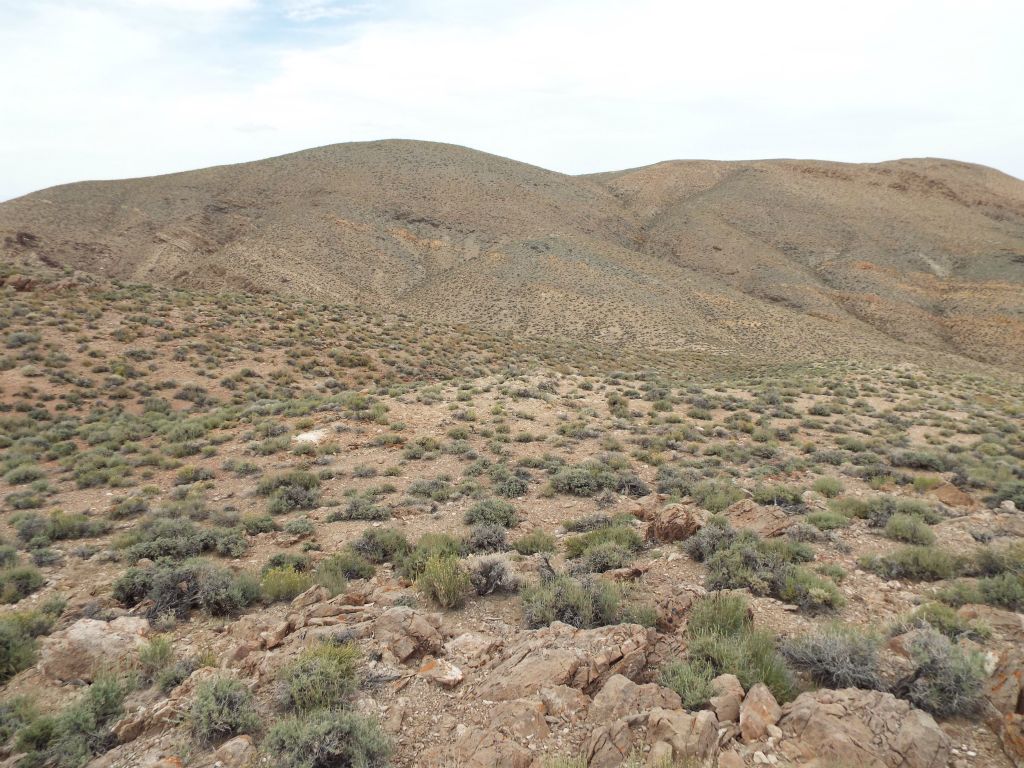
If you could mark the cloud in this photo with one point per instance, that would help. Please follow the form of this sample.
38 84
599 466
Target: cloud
134 87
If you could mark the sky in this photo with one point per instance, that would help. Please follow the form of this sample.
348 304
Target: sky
123 88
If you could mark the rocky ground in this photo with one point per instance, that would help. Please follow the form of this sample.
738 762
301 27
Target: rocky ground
566 564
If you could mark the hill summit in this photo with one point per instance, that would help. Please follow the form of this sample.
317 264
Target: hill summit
773 259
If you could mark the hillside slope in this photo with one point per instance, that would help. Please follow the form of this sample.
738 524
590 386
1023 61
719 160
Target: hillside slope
767 259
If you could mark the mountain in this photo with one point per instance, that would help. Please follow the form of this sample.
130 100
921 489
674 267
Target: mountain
761 260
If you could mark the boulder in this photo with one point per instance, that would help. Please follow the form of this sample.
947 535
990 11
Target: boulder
565 702
1004 691
90 645
238 752
869 729
673 608
620 697
727 699
522 719
475 648
676 522
441 672
608 745
562 655
675 735
764 521
405 633
479 748
758 711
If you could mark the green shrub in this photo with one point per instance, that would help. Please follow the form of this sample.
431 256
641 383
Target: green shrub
255 524
486 537
19 582
1003 591
155 656
80 731
222 708
779 495
360 508
588 523
691 680
336 569
290 491
429 545
622 535
909 529
595 476
828 487
943 619
180 588
947 681
915 563
721 613
828 520
837 657
444 580
534 542
584 603
285 583
381 545
492 511
326 739
491 574
810 592
18 633
715 495
716 535
321 677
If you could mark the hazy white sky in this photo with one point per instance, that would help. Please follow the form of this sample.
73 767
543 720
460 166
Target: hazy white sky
115 88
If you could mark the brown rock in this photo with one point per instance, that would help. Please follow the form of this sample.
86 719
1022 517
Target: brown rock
404 632
674 608
88 645
239 752
562 655
608 745
870 729
682 736
441 672
620 697
758 710
676 522
951 496
730 759
765 521
563 701
727 699
473 647
312 596
522 718
478 748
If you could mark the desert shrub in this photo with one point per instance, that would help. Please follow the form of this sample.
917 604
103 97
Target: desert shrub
321 677
360 508
829 487
721 613
128 507
779 495
827 520
59 526
80 731
8 556
837 657
24 474
593 477
435 489
721 639
334 570
178 539
715 535
878 509
584 603
715 495
588 523
188 475
487 537
326 739
15 713
154 656
284 583
18 633
605 556
411 564
909 529
1003 591
534 542
290 491
993 561
947 680
914 563
174 674
254 524
444 580
943 619
492 511
381 545
920 460
623 535
182 587
19 582
291 560
222 707
691 680
491 574
812 593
